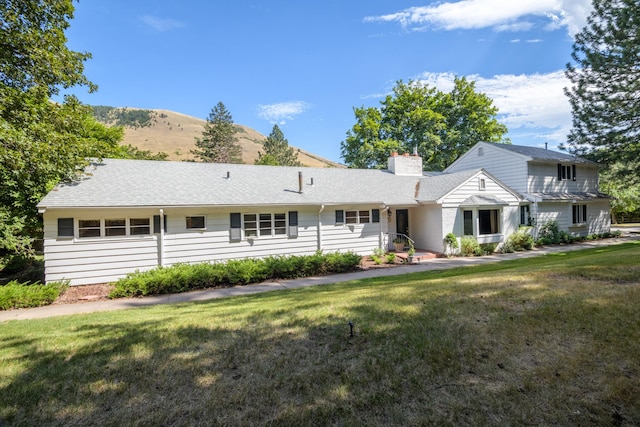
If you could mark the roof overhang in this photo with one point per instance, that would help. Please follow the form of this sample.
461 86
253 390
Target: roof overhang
480 201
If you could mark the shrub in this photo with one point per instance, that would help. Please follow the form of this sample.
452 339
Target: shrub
469 246
488 248
521 240
24 295
391 257
186 277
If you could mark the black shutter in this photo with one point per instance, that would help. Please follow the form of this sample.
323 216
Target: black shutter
65 227
559 172
293 218
375 215
573 168
235 221
156 223
584 213
293 223
339 216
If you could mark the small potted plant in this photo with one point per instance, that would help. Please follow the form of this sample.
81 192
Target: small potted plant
411 253
398 243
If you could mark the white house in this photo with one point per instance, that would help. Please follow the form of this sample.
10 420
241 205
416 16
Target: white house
127 215
556 186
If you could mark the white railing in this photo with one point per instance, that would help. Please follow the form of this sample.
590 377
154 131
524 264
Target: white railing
397 242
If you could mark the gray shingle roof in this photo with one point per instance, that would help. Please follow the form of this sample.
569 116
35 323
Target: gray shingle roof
437 186
543 154
115 183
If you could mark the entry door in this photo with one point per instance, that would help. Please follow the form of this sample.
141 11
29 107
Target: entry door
402 221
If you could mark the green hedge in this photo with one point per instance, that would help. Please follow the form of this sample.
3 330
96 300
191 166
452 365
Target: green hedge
186 277
21 295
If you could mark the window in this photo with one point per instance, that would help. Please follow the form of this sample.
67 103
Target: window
195 222
272 224
525 215
89 228
139 226
339 216
566 172
482 184
235 222
468 223
109 227
358 217
115 227
579 214
488 221
250 225
65 227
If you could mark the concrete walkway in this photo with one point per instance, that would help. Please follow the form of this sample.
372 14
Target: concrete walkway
208 294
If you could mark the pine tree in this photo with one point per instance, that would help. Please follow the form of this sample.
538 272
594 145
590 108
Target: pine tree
218 143
605 96
277 151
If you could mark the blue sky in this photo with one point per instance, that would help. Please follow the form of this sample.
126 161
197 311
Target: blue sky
306 64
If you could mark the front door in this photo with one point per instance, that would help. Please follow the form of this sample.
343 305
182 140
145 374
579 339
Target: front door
402 221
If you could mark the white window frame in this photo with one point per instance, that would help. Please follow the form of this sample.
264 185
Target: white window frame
264 224
104 227
482 184
498 221
204 222
361 216
579 212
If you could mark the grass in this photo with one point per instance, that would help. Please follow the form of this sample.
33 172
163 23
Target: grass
552 340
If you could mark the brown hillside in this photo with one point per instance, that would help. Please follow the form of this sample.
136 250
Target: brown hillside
174 133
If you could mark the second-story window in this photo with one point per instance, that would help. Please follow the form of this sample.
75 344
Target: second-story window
566 172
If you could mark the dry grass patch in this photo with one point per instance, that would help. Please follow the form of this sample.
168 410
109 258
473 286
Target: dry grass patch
512 343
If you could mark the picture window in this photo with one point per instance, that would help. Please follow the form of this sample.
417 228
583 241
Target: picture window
195 222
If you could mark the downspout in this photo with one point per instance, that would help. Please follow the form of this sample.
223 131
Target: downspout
320 227
161 238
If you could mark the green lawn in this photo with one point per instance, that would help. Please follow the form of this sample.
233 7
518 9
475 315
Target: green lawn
552 340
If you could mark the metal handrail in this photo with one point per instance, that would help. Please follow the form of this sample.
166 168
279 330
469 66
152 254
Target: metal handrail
391 238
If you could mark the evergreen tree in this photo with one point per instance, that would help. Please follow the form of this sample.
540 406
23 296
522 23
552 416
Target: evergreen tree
605 91
277 151
219 143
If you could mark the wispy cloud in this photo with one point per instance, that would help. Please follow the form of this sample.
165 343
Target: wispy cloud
282 111
501 15
525 102
161 25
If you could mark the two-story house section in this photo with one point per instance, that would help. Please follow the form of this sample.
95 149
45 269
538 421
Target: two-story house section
557 186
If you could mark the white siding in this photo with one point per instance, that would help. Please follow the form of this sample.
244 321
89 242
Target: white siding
543 178
508 167
598 217
452 216
427 226
96 260
102 260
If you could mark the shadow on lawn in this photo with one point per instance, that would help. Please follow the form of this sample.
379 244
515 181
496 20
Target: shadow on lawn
486 353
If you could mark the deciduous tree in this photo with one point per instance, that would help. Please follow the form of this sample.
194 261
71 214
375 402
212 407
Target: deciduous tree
441 126
218 143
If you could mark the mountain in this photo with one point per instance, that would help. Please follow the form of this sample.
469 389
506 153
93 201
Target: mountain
174 133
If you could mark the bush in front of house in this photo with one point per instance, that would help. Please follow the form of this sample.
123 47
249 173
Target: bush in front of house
25 295
187 277
519 241
469 246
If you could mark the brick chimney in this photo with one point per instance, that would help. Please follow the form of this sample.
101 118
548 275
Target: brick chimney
405 165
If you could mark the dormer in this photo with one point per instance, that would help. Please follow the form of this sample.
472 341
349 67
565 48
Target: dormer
405 164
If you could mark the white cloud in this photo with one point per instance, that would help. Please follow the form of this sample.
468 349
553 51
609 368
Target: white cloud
534 103
282 111
161 24
501 15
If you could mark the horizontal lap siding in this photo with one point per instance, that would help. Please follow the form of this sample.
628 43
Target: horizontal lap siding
358 238
97 262
213 244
